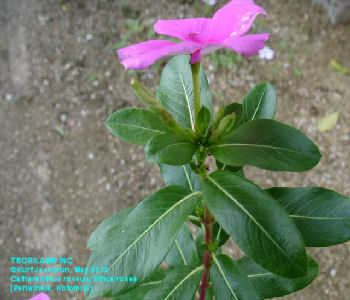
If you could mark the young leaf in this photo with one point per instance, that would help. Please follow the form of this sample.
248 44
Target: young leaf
179 283
138 246
183 252
135 125
321 215
235 108
229 282
176 90
203 120
107 224
267 144
271 285
261 228
199 244
170 148
181 175
259 103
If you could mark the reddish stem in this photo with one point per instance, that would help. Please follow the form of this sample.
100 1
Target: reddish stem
208 227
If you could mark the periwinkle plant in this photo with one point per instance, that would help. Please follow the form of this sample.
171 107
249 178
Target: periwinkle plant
272 226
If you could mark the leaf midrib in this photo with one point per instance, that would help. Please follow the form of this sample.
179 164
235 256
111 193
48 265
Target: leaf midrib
256 110
182 281
188 178
139 127
261 146
319 218
224 276
154 224
186 96
181 253
253 219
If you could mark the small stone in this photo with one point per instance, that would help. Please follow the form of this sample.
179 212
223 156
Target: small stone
333 272
107 187
89 37
46 82
91 156
63 117
92 96
18 239
8 97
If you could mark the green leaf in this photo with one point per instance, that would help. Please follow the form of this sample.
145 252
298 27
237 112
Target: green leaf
235 108
199 244
183 252
135 125
261 228
259 103
181 175
170 148
203 120
139 245
153 281
210 293
271 285
321 215
176 90
180 283
220 234
237 170
229 282
105 226
267 144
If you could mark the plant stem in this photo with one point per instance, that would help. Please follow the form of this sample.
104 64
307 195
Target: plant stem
196 91
208 226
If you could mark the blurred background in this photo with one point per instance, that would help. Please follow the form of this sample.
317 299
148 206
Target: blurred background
62 173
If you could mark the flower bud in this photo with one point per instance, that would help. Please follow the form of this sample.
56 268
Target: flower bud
146 97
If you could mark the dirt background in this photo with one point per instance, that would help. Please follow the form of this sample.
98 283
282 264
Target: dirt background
61 172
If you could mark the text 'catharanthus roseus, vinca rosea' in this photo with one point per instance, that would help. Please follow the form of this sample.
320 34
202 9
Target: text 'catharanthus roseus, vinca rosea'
148 252
226 29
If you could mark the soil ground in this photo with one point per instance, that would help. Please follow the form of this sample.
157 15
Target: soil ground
61 172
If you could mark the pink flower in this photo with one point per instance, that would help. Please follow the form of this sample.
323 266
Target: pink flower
41 296
226 29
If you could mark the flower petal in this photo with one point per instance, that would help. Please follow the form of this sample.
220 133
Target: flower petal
191 30
233 20
41 296
246 45
143 47
145 54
